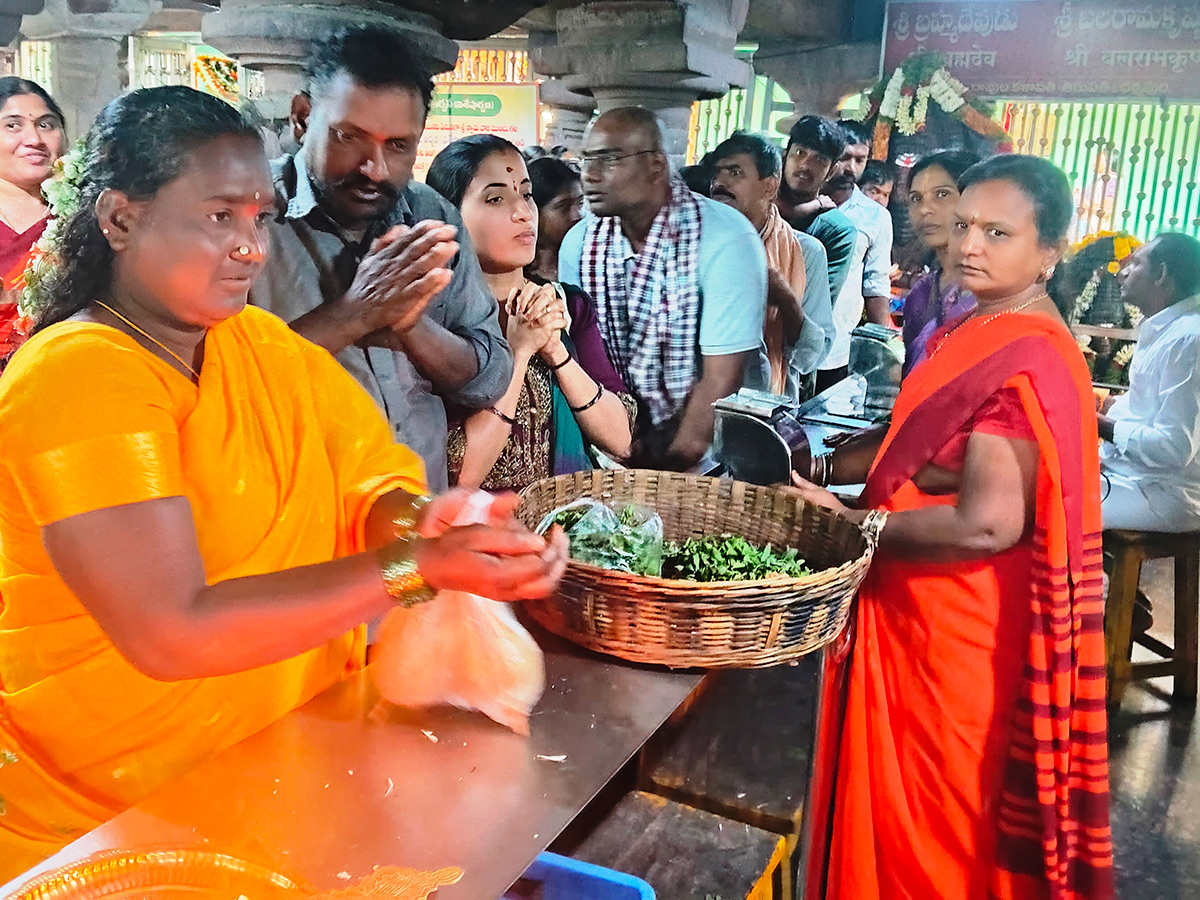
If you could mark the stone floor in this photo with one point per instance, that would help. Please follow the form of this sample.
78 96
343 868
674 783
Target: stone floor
1155 758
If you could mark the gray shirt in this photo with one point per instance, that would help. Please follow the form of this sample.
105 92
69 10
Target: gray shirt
313 261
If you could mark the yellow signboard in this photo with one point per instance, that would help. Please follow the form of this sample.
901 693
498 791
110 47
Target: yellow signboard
457 110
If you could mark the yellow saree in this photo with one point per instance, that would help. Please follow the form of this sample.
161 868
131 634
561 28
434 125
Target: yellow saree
281 455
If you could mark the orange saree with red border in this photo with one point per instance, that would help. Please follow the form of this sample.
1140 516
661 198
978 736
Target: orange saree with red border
974 756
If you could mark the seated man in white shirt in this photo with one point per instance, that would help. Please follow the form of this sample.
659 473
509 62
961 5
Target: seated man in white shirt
1150 461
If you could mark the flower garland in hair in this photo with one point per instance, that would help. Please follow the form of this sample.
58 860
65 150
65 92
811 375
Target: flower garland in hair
61 191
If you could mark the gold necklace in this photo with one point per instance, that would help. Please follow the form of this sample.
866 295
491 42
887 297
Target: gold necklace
179 359
991 318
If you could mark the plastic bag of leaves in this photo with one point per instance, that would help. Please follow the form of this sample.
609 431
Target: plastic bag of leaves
630 540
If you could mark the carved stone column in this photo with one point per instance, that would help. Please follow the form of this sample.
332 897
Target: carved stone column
570 112
86 70
10 17
660 55
274 36
818 79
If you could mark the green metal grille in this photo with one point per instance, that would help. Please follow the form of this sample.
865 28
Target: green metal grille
1133 167
757 108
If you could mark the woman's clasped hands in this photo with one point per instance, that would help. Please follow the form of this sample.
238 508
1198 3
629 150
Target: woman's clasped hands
536 319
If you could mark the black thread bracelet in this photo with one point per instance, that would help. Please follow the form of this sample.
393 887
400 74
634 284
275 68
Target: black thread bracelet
590 403
556 367
501 416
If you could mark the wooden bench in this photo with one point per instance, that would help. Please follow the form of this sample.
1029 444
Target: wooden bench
743 751
1128 550
686 853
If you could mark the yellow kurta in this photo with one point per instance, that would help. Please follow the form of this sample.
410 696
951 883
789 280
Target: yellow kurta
281 455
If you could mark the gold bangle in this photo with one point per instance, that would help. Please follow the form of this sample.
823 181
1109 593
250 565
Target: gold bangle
401 577
406 521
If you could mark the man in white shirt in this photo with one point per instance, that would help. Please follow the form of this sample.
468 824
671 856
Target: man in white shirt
868 285
1150 461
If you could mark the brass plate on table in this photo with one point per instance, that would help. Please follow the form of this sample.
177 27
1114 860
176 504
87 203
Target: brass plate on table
161 875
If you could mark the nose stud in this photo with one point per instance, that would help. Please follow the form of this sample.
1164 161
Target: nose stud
244 250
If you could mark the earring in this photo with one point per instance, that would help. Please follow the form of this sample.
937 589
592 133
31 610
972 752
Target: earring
104 230
1049 273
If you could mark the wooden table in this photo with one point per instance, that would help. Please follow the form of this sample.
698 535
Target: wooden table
342 785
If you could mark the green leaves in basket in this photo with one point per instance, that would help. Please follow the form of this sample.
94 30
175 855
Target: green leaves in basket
629 541
728 557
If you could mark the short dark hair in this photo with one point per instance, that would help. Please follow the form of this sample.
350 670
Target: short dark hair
856 133
533 151
820 135
375 56
1042 182
12 86
952 162
878 171
550 177
453 168
140 143
766 156
1180 254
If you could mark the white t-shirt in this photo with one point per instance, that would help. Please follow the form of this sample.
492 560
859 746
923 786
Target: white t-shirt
869 272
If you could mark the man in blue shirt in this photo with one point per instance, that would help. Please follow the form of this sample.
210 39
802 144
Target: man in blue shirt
679 281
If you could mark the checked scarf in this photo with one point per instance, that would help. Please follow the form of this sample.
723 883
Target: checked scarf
650 318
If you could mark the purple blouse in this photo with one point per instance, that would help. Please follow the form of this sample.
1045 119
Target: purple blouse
926 309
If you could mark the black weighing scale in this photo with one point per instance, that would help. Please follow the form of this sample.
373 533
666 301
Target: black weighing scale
761 437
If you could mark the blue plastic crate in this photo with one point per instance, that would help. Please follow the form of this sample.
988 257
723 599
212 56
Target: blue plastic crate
563 878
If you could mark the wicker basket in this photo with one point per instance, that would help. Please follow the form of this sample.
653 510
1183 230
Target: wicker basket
682 624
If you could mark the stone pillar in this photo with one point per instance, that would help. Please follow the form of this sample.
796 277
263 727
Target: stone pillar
274 36
660 55
818 79
10 17
87 50
570 112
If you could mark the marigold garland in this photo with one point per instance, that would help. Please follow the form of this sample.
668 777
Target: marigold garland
218 76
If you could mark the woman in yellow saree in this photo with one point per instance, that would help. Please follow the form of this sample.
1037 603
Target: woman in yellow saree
198 508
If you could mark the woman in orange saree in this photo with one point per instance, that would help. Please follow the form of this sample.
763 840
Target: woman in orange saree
199 509
973 762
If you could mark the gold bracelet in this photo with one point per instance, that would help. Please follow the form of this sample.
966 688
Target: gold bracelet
406 521
401 577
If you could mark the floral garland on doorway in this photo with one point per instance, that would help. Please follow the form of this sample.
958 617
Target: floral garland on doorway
901 101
